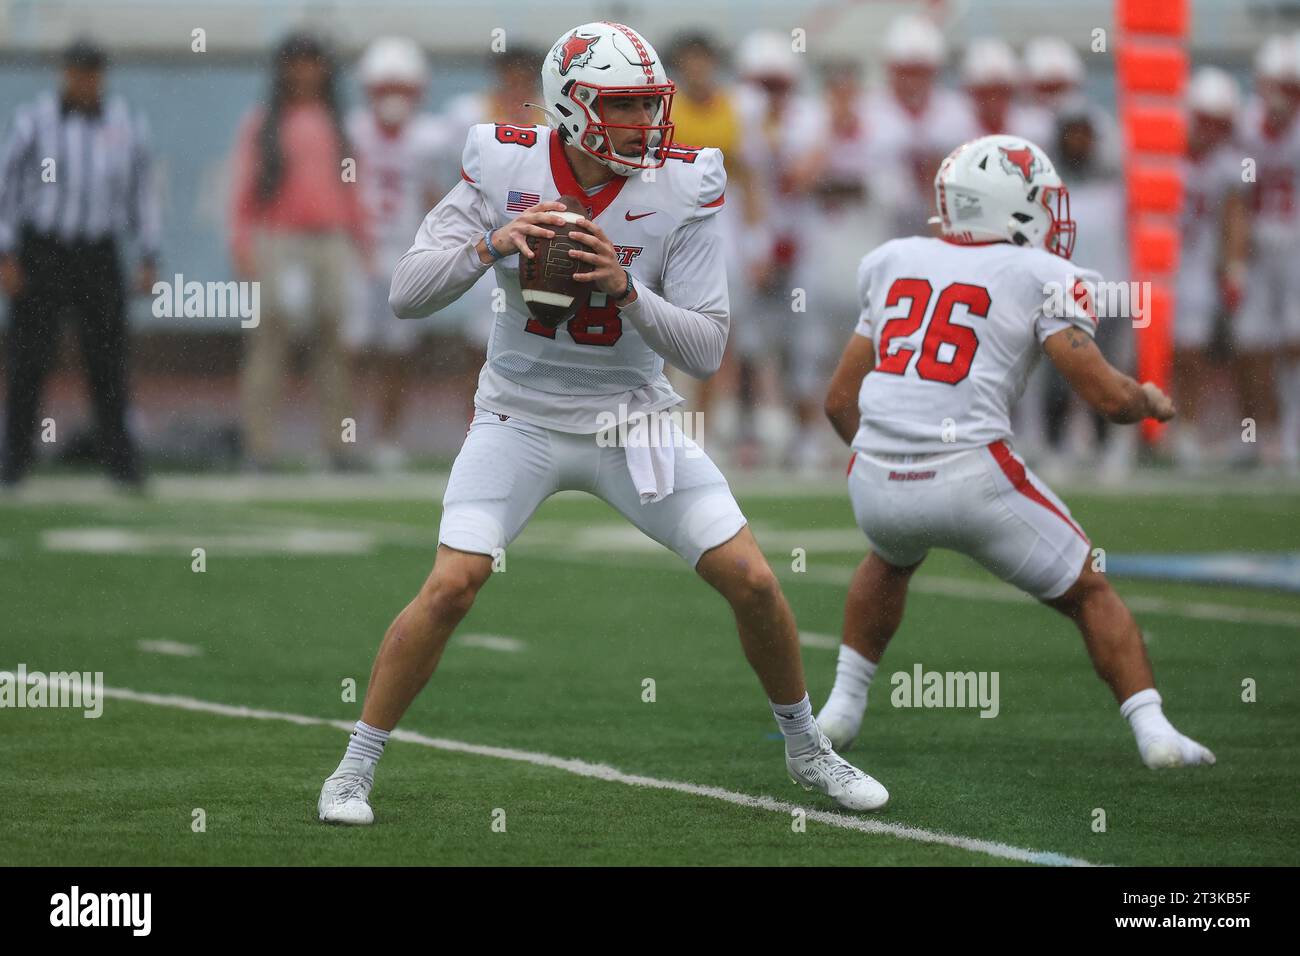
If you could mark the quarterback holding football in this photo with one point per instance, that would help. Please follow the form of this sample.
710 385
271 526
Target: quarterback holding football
594 304
949 330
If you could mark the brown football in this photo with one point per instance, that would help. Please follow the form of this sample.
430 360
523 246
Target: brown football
550 291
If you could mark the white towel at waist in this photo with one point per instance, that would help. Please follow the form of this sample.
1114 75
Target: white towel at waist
651 459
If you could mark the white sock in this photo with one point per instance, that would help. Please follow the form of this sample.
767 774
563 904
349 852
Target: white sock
796 723
366 742
853 675
1144 715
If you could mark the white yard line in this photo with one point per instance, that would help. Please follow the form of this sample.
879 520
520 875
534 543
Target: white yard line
489 642
169 648
609 774
823 642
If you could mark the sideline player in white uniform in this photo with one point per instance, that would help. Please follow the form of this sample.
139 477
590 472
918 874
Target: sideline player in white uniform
914 121
506 100
1212 264
782 126
1056 74
397 153
659 294
1266 329
990 77
950 329
848 216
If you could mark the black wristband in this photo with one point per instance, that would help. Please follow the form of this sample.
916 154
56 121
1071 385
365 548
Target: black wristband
627 289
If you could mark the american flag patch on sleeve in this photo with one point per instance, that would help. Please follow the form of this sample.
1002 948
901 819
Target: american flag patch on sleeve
520 202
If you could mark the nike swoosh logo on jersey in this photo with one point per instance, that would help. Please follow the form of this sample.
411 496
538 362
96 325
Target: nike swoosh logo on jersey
641 215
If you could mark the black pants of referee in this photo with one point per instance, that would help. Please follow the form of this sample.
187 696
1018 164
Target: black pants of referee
83 280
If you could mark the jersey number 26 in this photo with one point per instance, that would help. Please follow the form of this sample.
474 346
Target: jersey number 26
939 331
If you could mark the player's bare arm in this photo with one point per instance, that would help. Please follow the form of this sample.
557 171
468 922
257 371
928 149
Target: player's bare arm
841 406
1112 393
1235 249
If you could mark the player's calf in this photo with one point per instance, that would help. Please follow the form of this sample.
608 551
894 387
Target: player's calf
770 638
407 658
1110 633
768 633
1114 643
872 615
415 640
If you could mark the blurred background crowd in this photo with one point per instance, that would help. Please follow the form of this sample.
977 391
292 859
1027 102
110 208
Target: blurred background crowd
181 165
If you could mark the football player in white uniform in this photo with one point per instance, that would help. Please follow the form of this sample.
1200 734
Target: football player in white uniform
849 217
546 396
1097 203
783 126
1212 265
514 86
990 78
397 151
950 328
914 121
1055 72
1266 329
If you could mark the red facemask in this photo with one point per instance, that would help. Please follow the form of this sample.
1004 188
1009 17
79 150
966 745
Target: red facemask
1061 234
653 140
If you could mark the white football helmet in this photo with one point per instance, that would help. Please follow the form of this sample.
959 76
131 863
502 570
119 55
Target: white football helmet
767 55
394 73
912 39
597 62
989 62
1277 74
393 61
1003 188
1053 66
1214 93
1276 60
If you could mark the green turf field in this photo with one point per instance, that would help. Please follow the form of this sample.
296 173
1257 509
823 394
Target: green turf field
297 594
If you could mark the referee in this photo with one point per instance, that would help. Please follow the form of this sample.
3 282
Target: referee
75 181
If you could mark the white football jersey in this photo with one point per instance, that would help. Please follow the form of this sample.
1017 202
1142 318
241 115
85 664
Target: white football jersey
663 225
1207 182
957 330
772 151
904 143
1097 205
396 174
1273 195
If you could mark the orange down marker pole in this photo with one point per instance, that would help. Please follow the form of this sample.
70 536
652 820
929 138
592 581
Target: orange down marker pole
1151 73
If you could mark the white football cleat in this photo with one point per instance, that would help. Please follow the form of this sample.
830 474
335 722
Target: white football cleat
1161 753
825 771
841 728
345 796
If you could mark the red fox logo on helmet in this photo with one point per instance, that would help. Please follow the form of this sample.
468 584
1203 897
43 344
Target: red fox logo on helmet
1021 160
576 51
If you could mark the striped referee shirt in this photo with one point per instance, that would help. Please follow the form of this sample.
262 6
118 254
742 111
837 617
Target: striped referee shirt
76 176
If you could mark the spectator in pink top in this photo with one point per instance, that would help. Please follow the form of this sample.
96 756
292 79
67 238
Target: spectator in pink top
297 227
